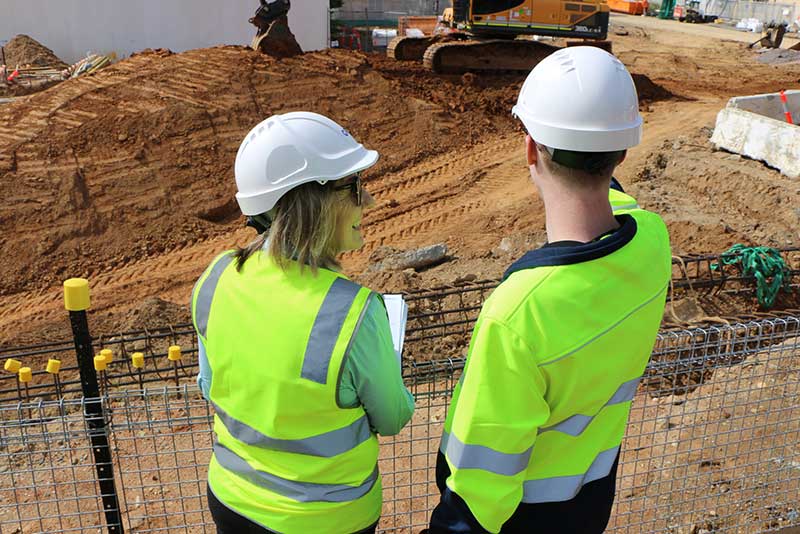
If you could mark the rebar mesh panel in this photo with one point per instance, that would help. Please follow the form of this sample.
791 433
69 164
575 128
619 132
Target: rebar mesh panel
712 446
162 439
48 481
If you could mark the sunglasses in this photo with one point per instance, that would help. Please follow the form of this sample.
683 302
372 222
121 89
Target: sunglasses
354 186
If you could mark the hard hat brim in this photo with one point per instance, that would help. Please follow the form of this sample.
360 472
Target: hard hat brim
583 140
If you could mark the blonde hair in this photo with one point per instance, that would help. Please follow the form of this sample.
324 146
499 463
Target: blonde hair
303 229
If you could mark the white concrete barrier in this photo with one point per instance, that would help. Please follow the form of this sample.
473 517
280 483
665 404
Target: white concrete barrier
755 126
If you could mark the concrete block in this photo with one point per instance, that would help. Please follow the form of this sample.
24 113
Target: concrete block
754 126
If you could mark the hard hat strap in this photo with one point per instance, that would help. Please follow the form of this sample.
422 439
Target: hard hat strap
260 222
590 162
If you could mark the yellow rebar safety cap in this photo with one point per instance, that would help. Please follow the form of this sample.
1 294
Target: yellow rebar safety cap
108 354
76 294
174 353
99 363
25 374
137 359
12 365
53 366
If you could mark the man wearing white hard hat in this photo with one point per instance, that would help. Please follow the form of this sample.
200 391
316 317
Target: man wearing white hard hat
532 438
297 360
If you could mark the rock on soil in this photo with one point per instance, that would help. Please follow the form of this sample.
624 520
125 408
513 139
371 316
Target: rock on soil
412 259
22 51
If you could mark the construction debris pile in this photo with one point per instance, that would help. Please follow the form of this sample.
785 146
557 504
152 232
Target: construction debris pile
27 66
23 51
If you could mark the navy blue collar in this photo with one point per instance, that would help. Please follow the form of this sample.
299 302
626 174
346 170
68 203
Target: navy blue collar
568 255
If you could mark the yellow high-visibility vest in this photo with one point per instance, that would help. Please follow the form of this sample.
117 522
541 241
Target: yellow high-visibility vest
286 455
553 365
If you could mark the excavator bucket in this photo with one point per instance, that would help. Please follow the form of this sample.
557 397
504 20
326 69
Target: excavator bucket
274 36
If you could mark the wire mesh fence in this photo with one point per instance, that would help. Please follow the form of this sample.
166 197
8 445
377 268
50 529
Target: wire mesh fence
440 322
713 445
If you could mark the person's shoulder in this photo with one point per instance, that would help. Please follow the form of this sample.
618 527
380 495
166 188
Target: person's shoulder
651 225
514 292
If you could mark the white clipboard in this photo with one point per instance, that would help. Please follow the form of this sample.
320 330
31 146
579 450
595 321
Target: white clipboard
397 308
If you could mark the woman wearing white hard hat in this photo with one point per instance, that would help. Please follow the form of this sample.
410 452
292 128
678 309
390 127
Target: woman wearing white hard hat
296 359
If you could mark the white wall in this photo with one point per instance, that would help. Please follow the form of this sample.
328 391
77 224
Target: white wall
71 28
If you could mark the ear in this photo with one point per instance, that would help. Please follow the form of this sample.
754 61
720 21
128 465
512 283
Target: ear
622 158
531 151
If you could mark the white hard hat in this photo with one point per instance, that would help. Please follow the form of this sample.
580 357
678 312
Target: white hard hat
583 99
288 150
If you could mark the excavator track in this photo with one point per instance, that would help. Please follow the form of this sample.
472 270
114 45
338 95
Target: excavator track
409 48
458 57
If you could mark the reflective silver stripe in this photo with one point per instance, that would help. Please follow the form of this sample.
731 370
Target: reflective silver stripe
325 445
633 206
576 424
463 456
293 489
206 293
557 489
325 332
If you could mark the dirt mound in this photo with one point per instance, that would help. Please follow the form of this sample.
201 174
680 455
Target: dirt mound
153 313
492 95
777 56
92 185
648 90
25 51
713 199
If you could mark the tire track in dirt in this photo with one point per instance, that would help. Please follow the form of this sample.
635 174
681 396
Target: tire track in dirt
445 165
433 202
130 161
462 186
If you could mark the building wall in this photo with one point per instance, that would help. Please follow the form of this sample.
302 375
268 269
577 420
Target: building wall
72 28
393 7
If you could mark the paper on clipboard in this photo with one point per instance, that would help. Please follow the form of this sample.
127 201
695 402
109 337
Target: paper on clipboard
397 308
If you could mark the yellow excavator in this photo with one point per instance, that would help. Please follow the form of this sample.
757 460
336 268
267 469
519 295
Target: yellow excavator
482 35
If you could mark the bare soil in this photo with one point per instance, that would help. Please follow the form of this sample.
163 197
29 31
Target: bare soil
125 176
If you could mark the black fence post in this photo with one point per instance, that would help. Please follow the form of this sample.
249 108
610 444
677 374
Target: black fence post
76 301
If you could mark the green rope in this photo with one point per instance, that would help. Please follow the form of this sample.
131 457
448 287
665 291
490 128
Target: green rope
765 263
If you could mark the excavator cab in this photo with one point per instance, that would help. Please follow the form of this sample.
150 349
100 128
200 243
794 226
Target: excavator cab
559 18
